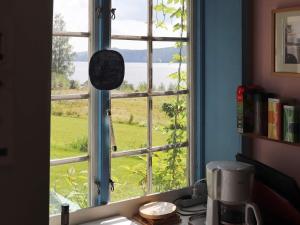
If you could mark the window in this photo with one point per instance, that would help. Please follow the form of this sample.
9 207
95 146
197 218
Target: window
149 111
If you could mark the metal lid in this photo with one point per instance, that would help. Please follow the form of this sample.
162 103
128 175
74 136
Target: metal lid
229 165
65 208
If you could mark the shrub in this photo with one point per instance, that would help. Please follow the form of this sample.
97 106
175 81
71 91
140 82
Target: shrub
130 121
80 144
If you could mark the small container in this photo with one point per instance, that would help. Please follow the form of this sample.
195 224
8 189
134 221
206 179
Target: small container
65 214
274 119
261 112
290 123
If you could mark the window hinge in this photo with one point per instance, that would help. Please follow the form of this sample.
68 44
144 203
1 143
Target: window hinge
98 11
112 12
111 183
97 183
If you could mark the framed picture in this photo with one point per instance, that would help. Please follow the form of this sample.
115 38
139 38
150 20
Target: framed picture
286 51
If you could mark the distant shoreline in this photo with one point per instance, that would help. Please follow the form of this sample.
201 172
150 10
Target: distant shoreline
160 55
135 72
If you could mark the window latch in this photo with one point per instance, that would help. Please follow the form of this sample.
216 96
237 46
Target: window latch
112 185
112 134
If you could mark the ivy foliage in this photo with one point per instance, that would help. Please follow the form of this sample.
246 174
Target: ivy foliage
171 172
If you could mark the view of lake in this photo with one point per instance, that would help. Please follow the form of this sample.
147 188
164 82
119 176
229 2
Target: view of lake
135 73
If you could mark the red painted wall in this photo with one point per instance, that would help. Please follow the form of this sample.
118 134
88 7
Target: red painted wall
280 156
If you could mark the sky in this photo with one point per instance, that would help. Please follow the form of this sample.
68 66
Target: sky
131 19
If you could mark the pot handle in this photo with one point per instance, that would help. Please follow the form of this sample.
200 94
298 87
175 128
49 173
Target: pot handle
252 206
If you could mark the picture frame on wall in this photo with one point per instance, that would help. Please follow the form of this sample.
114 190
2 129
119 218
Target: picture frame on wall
286 50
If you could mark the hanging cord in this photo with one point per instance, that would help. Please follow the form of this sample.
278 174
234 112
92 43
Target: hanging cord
194 205
188 211
112 133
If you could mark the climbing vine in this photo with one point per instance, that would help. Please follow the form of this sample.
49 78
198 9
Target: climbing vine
171 173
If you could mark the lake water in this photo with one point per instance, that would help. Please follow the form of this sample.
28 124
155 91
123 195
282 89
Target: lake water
135 73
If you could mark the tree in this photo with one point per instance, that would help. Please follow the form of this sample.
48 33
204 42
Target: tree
161 87
74 84
62 53
126 87
142 87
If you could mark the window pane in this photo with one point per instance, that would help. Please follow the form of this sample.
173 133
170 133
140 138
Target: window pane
69 128
135 56
131 17
164 111
74 14
68 184
129 118
170 170
167 18
166 66
70 65
130 175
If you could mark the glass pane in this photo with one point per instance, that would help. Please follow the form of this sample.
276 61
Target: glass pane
69 65
130 175
68 184
129 118
167 64
73 14
131 17
167 17
164 111
69 128
170 170
135 56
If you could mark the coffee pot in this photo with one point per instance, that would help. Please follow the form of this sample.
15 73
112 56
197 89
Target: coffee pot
229 186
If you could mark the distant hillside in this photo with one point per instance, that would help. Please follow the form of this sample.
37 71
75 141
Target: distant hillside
160 55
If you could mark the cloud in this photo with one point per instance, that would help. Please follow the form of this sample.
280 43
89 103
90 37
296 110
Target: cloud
74 12
131 19
131 9
129 27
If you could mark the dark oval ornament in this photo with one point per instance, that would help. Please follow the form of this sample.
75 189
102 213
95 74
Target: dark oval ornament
106 70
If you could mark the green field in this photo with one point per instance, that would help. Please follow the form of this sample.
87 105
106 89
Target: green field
69 124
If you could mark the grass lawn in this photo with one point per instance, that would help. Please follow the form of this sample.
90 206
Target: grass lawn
69 123
64 130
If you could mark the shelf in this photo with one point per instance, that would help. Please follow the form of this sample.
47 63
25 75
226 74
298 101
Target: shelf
251 135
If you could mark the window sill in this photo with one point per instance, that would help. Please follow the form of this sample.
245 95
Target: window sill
127 208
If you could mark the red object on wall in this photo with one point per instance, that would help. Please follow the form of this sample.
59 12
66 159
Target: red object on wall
245 107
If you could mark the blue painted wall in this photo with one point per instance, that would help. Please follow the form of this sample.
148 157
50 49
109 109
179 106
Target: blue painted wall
223 73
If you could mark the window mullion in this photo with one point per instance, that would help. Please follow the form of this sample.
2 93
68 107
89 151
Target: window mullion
149 98
100 104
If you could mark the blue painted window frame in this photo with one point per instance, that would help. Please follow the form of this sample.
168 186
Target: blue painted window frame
102 39
198 79
102 29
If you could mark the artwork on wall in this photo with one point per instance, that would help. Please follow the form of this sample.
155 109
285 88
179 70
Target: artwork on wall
286 52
